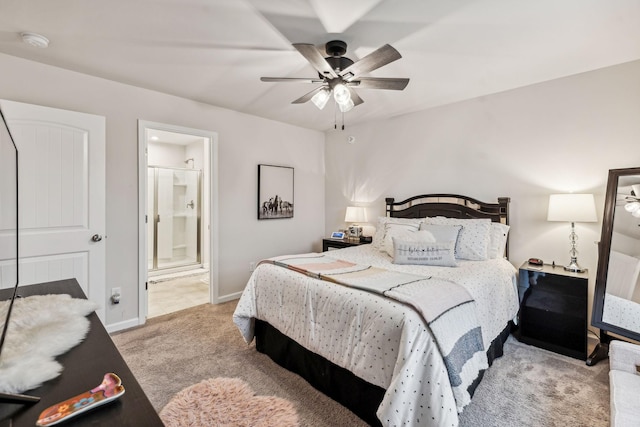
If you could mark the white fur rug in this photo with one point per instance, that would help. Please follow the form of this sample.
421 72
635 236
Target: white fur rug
41 327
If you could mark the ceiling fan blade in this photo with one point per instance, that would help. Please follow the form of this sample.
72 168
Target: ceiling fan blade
380 83
290 80
306 97
355 97
376 59
315 58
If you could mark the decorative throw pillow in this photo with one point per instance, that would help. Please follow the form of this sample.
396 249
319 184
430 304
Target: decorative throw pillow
424 253
473 241
498 240
378 236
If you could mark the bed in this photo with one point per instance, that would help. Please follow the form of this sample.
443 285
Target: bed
396 356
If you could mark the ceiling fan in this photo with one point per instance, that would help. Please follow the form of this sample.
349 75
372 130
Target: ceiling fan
339 75
632 201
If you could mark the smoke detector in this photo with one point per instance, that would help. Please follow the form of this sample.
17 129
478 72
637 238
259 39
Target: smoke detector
35 40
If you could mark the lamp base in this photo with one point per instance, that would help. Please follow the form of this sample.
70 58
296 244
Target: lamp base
574 267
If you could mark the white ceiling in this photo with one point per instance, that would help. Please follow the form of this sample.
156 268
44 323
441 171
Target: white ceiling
215 51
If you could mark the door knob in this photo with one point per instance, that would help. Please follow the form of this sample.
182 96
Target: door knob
96 237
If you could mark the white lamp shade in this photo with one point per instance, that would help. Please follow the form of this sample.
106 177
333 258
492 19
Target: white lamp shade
355 214
572 208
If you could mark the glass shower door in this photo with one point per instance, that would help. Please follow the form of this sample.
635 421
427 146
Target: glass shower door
176 217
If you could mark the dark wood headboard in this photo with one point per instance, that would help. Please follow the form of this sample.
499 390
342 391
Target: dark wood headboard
451 206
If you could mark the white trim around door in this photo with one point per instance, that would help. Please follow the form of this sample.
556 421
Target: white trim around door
212 138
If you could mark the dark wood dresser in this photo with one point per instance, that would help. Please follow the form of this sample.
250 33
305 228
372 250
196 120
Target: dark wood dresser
84 366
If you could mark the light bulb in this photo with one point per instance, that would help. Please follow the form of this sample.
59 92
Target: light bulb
346 106
341 94
320 99
632 207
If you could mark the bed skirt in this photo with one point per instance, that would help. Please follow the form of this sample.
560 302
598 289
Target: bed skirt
356 394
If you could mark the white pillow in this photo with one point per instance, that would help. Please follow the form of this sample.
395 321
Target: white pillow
406 231
378 237
473 240
498 240
424 253
442 233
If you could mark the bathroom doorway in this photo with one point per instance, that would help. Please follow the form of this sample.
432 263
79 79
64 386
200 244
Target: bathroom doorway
178 199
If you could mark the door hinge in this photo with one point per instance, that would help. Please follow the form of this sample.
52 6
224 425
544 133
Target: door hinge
146 286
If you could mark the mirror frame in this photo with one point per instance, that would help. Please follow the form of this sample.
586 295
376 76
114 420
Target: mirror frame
603 258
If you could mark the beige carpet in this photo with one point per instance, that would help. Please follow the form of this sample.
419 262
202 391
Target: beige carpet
527 387
227 402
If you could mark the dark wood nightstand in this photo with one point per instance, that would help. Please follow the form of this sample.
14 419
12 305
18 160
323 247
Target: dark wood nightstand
340 243
553 309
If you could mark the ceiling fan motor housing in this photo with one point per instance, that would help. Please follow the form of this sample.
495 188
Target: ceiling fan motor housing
335 49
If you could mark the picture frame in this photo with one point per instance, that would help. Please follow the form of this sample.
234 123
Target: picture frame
337 235
275 192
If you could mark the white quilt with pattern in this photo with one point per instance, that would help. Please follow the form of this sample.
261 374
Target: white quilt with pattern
380 340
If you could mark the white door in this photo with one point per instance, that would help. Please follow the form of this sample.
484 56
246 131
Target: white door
61 157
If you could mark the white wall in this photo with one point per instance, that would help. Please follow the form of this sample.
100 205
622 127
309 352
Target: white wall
166 155
559 136
244 142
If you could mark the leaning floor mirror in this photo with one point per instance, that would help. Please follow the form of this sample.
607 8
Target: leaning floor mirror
616 303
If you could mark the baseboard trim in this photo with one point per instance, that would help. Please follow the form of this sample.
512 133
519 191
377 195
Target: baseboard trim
115 327
230 297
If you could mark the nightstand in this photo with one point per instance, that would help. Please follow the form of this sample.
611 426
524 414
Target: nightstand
553 309
340 243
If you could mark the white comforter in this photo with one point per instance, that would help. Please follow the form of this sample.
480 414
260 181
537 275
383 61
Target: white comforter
380 340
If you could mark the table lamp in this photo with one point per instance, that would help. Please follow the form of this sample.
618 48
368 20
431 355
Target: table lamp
572 208
354 215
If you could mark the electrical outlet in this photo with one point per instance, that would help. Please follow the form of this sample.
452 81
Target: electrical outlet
115 295
252 265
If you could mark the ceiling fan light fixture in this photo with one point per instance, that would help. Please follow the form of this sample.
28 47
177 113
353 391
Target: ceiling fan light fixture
341 94
346 106
632 207
321 98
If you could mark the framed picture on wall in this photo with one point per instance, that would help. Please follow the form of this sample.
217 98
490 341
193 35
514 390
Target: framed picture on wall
275 192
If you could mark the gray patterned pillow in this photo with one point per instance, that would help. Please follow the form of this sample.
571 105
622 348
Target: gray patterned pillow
424 253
